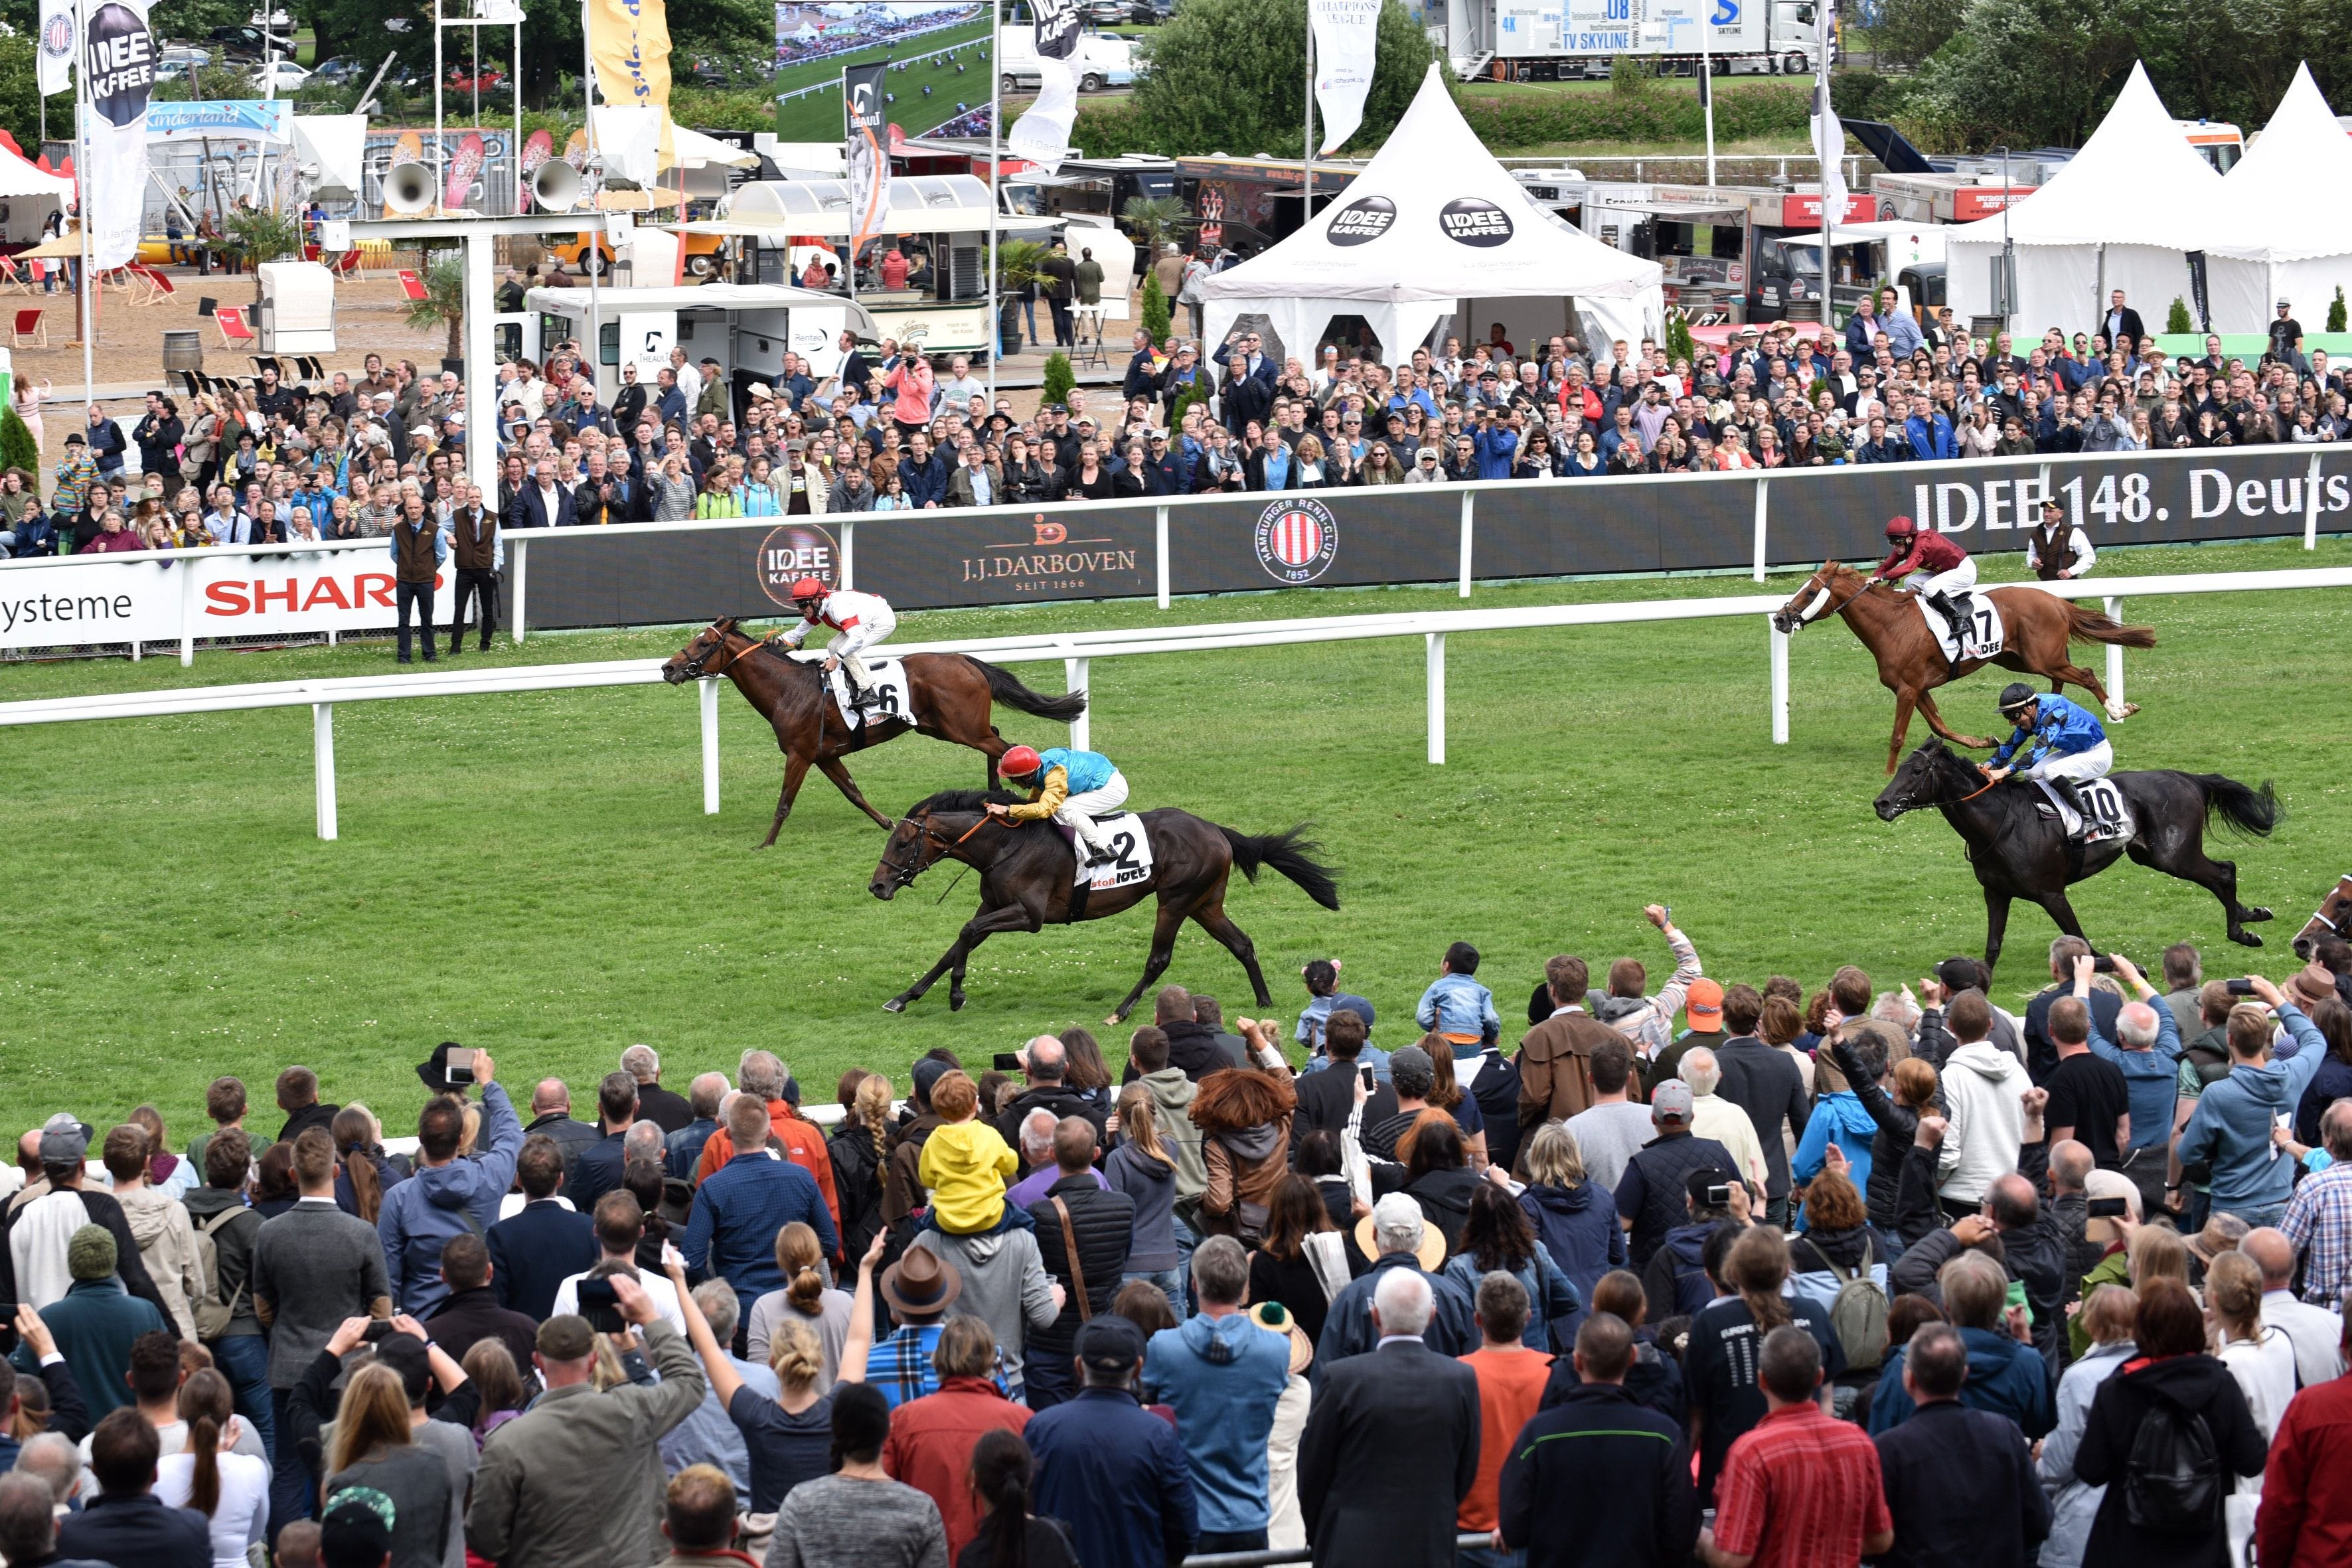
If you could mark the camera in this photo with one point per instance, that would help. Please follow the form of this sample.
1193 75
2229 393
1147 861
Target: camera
2105 964
601 1306
1719 1195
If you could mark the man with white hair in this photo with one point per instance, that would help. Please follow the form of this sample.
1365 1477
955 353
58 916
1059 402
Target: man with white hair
1398 1241
2147 1051
655 1102
763 1074
1712 1116
1387 1432
706 1097
1037 1146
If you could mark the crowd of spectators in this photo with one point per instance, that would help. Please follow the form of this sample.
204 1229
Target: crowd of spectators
892 429
1898 1274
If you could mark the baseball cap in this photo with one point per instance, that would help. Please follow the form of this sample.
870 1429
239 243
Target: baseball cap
1412 1058
1703 1004
1110 1344
64 1139
357 1530
1670 1103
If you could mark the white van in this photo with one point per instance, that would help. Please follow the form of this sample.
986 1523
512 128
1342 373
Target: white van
746 327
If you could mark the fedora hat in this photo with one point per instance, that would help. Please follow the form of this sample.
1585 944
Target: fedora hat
1431 1253
921 1284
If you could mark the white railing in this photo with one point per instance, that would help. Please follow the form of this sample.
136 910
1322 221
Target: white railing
1077 651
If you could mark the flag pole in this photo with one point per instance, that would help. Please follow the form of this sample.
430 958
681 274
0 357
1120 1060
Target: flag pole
85 297
996 161
1307 186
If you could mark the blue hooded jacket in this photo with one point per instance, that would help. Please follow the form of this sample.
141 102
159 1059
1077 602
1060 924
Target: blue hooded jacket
1223 1375
1578 1227
2232 1126
1837 1115
422 1212
2006 1376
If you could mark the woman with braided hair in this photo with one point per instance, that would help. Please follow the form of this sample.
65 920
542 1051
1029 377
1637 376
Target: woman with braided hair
861 1156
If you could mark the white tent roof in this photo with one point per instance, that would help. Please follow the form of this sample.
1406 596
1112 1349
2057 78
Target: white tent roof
1434 217
2136 182
2303 150
19 177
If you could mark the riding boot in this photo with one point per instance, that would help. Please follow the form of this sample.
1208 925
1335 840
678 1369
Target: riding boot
2066 793
1097 852
1942 605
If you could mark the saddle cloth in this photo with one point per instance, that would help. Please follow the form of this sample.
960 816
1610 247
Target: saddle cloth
1980 637
1129 843
889 683
2110 813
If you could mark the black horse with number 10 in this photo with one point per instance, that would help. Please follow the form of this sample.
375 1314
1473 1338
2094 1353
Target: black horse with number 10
1028 878
2018 852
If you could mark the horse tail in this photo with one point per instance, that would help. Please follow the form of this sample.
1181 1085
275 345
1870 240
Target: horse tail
1005 687
2244 809
1287 853
2089 625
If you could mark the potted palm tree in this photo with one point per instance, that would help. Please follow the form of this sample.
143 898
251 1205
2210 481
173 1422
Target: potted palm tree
1019 263
444 304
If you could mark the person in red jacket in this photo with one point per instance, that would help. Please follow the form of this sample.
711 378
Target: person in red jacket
2306 1517
1930 565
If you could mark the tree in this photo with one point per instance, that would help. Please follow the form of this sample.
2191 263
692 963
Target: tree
1155 321
1230 76
1019 264
260 235
444 301
2336 311
1154 221
1060 379
1680 346
17 448
2030 72
20 102
2176 321
1909 31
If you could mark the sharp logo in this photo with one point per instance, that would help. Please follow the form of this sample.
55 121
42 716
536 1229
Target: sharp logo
1470 221
1361 222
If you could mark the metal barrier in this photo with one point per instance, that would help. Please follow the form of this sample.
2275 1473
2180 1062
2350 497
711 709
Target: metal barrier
1077 651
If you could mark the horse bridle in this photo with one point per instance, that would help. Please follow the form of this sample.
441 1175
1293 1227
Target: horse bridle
1807 618
1906 803
904 876
695 668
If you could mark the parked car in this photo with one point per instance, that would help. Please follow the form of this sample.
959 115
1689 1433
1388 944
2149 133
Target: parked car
283 74
463 80
340 72
248 43
1106 10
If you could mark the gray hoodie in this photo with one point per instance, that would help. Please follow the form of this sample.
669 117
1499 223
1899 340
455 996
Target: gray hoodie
1984 1088
1171 1097
167 1245
1005 1281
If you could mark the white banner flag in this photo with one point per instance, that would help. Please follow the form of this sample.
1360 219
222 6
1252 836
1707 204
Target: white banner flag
119 71
1828 146
1043 134
1345 32
57 47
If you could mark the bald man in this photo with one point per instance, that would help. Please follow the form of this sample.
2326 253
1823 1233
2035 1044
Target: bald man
2316 1333
1046 1064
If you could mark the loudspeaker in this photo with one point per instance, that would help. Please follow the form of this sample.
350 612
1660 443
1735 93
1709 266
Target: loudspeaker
555 186
408 189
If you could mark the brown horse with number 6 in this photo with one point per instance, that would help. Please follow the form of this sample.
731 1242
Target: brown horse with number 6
2036 627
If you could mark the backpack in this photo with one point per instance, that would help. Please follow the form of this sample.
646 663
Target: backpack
212 1314
2172 1478
1858 1313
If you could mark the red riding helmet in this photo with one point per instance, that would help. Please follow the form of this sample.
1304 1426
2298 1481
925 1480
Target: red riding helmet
807 588
1901 527
1019 762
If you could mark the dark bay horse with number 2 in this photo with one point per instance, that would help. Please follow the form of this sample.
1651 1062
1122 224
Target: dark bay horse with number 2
2036 627
950 694
1028 874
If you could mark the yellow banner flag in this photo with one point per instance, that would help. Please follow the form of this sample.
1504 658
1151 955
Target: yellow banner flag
629 41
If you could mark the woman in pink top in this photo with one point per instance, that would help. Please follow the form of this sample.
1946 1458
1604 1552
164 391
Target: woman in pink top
909 383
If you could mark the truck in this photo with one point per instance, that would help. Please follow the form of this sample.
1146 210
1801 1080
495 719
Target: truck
1102 60
746 328
1557 40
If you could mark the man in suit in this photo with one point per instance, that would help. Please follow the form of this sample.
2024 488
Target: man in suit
2121 324
1391 1442
1326 1097
598 1169
481 554
1954 1473
1061 274
544 1243
542 502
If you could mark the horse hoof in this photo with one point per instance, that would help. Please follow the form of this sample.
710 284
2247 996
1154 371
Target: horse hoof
2245 938
955 1001
1115 1019
2256 913
896 1005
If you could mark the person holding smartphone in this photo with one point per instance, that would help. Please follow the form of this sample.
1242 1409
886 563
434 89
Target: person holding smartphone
2232 1128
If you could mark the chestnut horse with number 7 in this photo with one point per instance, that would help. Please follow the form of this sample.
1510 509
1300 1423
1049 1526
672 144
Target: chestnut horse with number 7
2036 627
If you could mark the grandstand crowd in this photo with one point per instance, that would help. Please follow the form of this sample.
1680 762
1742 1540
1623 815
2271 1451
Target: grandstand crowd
1817 1276
893 429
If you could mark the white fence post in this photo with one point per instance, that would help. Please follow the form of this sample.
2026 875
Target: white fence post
188 613
708 696
322 765
1779 684
1160 553
1468 499
2311 505
1762 487
2116 654
1436 697
514 611
1074 678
